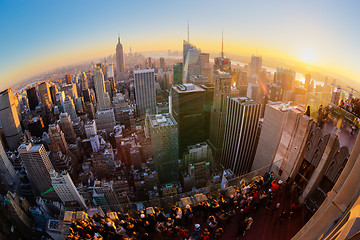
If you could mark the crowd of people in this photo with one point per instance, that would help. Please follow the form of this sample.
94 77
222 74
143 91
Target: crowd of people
352 105
203 221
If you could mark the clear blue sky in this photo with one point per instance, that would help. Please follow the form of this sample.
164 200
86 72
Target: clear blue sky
42 35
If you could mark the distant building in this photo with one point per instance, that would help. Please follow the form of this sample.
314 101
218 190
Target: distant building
164 136
255 64
240 136
32 97
120 64
178 73
145 95
67 128
102 97
105 120
44 93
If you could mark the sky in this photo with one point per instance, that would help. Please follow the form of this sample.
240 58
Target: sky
37 36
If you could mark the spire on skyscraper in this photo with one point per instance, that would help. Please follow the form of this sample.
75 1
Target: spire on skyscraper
188 32
222 43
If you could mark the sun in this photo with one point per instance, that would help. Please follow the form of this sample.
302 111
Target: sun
308 55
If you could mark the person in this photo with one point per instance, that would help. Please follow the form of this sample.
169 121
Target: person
307 112
320 116
196 234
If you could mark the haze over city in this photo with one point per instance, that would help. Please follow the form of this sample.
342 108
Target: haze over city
39 36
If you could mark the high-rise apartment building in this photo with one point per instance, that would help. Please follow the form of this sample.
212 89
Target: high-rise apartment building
38 166
240 138
102 97
145 95
9 118
188 102
65 188
164 137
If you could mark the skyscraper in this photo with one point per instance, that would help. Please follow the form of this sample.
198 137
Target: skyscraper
67 127
69 107
120 64
65 188
188 102
255 64
38 166
241 128
83 82
178 72
102 97
164 137
222 91
32 97
145 94
9 118
8 174
44 94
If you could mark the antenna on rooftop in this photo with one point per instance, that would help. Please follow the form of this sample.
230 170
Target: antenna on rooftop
222 43
188 32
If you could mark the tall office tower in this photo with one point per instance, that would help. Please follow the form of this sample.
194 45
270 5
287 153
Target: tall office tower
8 174
222 91
255 64
209 98
83 81
9 118
90 110
67 128
120 64
60 98
164 137
178 72
44 93
284 78
205 65
33 98
162 63
38 166
188 102
240 137
192 64
186 47
68 79
69 107
102 97
145 91
70 90
53 91
65 188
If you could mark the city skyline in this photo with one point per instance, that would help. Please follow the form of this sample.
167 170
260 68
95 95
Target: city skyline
41 36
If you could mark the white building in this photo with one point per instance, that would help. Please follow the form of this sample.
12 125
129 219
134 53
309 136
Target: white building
65 188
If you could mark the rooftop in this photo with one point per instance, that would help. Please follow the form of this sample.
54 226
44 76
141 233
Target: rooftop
187 88
162 120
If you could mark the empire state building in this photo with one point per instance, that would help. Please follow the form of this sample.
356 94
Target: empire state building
120 65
